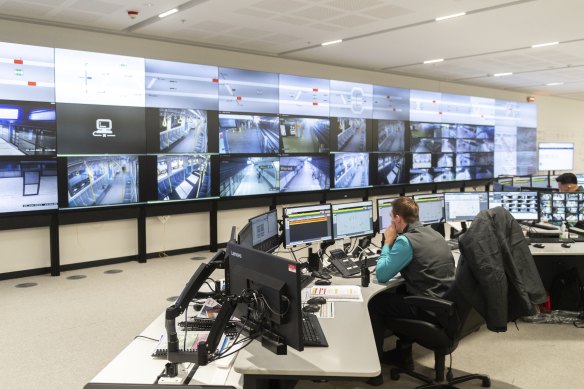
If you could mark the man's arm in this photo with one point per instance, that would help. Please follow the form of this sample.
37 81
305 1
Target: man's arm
393 258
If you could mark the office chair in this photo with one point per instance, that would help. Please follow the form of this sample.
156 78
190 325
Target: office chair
455 318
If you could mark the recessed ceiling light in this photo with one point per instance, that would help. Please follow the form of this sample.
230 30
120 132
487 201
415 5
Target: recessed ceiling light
502 74
331 42
544 44
554 83
169 12
433 61
450 16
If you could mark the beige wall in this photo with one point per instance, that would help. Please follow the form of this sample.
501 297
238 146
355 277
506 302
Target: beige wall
558 119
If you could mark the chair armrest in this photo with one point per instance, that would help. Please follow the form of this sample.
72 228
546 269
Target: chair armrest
433 304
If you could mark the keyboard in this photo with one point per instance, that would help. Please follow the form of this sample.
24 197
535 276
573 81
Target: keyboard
548 240
312 335
305 280
343 263
545 226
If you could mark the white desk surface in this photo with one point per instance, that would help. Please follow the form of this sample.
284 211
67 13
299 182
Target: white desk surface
557 249
348 355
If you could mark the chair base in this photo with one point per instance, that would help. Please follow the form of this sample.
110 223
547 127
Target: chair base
431 384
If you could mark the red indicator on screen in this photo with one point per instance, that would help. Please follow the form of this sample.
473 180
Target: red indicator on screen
31 83
314 103
315 89
238 98
19 61
215 80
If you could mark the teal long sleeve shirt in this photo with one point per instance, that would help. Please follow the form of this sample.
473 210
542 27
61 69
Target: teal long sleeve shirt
393 258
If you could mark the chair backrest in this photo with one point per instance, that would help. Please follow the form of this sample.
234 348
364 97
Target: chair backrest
465 319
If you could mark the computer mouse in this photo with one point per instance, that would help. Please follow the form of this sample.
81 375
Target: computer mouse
319 274
566 245
539 245
311 308
322 282
316 300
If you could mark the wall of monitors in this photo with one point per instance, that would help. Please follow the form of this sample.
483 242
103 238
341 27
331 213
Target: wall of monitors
83 129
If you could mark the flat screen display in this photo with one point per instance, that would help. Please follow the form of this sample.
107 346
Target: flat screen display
102 180
27 128
304 96
83 77
464 206
248 134
179 130
264 227
522 205
391 103
431 208
351 134
351 170
181 85
560 207
352 219
539 181
555 156
248 91
304 135
351 99
307 224
384 206
391 169
242 176
100 129
28 72
28 185
391 135
304 173
183 177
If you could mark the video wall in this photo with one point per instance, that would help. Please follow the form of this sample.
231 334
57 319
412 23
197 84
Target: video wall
83 129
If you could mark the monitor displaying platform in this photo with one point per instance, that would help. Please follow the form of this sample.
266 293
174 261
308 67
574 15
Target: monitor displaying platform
464 206
307 224
431 208
352 219
522 205
384 207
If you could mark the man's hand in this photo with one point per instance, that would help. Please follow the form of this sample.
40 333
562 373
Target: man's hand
390 233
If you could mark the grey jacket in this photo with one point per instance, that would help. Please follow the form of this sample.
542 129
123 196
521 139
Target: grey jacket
496 272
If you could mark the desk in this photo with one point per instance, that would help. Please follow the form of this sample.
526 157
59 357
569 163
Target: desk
255 367
553 259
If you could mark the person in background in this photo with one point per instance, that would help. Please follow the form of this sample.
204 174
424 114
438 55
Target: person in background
568 182
424 259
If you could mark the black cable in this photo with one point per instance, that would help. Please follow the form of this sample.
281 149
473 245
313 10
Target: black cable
146 337
186 329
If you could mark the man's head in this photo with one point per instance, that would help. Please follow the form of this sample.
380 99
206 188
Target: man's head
567 182
404 211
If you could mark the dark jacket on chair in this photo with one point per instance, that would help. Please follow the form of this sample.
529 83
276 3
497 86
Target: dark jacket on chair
496 272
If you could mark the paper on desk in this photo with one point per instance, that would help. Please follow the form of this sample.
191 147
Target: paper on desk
335 292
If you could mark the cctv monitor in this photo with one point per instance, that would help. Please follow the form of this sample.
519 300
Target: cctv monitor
555 156
307 224
464 206
267 281
539 181
384 206
264 231
352 219
431 208
521 205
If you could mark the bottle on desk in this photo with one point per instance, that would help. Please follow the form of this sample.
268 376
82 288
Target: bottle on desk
564 231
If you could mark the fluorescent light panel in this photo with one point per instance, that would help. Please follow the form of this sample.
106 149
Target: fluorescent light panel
433 61
169 12
331 42
544 44
450 16
554 83
502 74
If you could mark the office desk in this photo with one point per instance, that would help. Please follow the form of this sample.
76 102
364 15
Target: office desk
351 353
554 259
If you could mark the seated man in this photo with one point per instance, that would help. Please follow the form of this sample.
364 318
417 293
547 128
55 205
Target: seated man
568 182
425 262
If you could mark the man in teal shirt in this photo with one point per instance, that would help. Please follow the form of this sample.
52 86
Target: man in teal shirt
423 258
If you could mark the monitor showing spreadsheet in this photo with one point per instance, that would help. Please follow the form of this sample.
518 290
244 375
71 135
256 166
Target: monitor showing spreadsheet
431 208
307 224
463 206
352 219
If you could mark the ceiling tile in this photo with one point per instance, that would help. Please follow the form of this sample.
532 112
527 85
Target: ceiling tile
353 5
293 20
250 33
255 13
319 13
22 9
387 11
97 6
352 20
326 27
280 6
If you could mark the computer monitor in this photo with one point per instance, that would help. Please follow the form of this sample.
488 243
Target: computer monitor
307 224
521 205
352 219
431 208
522 181
580 178
276 282
384 206
561 207
505 180
264 228
555 156
539 181
464 206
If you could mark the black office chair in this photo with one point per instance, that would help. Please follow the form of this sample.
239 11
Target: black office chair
456 319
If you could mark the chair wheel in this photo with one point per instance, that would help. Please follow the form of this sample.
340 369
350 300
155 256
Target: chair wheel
486 382
394 375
